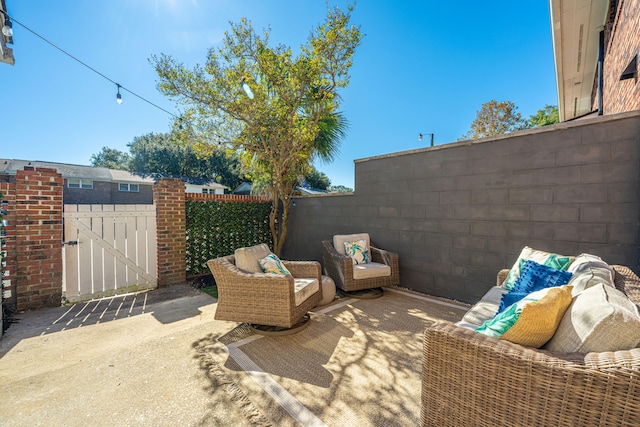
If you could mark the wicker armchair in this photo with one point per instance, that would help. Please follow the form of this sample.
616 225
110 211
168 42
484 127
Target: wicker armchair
261 298
340 268
469 379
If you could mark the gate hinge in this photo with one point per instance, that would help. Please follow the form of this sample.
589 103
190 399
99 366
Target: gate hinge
72 242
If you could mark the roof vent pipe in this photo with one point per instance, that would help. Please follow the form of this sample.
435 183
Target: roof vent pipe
600 76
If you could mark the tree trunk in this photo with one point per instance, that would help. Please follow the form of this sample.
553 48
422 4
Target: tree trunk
286 205
274 223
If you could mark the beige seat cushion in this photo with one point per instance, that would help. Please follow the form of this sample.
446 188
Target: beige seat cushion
304 288
370 270
589 270
340 239
600 318
484 309
247 259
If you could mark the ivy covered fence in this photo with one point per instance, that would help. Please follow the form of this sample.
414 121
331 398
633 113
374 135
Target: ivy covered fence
215 227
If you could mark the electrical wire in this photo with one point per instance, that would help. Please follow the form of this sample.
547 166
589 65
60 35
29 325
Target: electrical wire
86 65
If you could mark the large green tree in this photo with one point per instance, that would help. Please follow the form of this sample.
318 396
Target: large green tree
159 153
544 117
111 158
340 189
264 101
495 118
316 179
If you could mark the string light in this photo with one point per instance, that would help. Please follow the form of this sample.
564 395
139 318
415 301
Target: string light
118 96
6 28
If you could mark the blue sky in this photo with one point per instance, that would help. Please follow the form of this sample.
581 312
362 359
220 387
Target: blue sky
422 67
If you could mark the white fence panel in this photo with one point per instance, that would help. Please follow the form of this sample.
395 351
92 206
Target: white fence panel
109 250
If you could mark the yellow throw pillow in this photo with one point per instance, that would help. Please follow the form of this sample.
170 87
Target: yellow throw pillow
533 320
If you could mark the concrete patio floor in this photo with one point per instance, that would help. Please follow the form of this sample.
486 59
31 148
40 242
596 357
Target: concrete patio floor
125 361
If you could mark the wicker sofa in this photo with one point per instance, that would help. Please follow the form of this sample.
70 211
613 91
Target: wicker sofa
470 379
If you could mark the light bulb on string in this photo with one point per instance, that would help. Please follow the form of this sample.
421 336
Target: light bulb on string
118 96
6 28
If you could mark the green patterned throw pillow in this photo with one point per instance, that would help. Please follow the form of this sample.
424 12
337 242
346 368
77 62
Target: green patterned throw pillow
358 252
533 320
273 265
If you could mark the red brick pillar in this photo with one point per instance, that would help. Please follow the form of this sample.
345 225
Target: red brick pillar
38 226
169 198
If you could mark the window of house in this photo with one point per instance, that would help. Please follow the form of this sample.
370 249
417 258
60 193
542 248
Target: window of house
208 190
131 188
79 183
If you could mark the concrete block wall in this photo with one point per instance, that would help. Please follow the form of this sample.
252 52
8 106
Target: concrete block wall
457 213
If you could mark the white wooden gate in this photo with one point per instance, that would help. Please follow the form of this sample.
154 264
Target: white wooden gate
108 250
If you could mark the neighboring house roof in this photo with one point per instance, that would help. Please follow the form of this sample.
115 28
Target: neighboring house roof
243 189
575 31
204 182
10 166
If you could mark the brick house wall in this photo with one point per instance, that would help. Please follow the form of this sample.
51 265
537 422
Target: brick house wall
458 213
104 192
622 43
142 197
99 194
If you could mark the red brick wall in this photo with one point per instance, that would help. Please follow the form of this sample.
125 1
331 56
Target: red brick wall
38 237
622 43
169 198
33 201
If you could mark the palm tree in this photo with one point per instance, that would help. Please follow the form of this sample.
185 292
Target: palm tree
332 129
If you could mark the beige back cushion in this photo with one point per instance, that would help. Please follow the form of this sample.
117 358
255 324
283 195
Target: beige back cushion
340 239
247 258
600 318
587 271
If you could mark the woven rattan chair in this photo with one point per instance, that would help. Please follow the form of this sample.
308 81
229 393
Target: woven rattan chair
340 268
470 379
263 299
